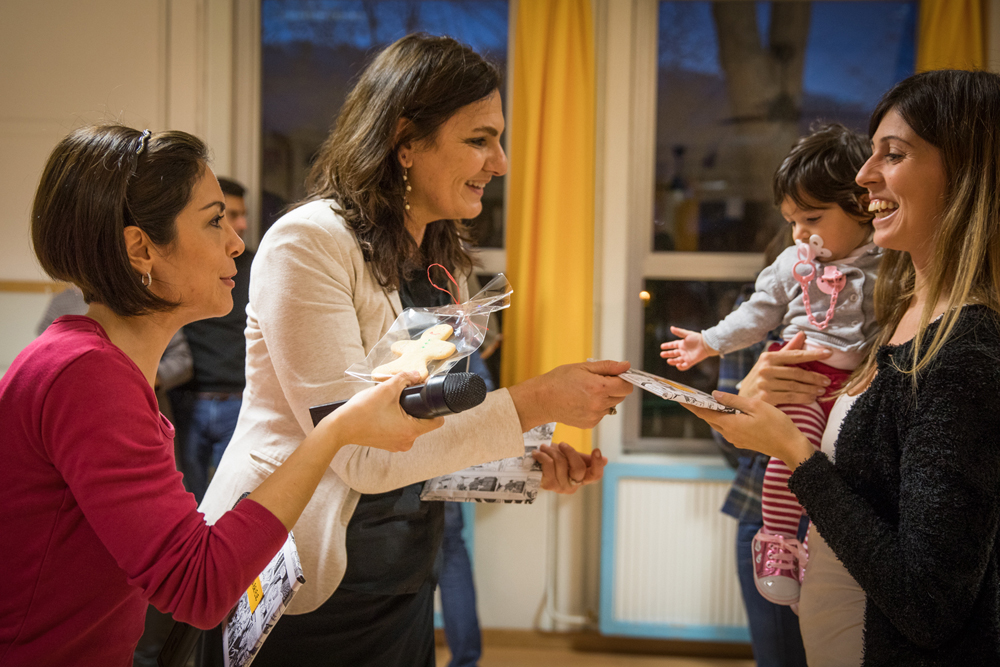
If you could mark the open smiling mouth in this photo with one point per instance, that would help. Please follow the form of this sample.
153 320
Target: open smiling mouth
882 208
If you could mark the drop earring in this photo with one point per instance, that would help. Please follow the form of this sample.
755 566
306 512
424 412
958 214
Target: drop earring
406 185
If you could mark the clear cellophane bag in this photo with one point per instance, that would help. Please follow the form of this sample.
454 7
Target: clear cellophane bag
468 322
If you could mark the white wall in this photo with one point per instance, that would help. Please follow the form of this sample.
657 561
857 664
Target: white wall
157 64
512 544
66 64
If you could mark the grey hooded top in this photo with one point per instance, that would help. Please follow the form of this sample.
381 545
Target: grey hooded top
777 301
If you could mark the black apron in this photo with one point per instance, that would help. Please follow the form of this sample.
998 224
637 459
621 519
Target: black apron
382 613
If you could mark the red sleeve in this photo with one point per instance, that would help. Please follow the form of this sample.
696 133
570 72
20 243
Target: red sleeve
102 430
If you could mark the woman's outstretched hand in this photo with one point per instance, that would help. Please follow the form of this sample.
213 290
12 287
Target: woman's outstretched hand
577 395
761 427
564 469
374 418
775 380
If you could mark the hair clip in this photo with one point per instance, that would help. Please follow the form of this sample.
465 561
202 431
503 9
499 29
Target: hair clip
143 140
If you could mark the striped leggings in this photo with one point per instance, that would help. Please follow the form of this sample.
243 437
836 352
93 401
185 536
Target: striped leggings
782 511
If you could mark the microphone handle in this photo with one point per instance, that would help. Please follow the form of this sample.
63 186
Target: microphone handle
426 401
423 401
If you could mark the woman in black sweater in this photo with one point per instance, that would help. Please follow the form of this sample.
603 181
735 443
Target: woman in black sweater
912 505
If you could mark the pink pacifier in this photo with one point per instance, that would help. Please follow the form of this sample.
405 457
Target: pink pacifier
804 270
832 281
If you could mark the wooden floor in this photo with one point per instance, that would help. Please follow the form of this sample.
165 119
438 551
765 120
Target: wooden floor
508 656
519 648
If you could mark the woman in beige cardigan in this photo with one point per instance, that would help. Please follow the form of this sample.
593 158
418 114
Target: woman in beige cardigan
415 143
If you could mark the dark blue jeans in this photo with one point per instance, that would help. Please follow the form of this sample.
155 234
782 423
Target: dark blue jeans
458 593
211 427
774 628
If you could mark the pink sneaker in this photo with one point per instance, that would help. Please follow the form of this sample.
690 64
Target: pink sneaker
776 567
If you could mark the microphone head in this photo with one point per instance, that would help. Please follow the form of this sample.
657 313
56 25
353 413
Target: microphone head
463 391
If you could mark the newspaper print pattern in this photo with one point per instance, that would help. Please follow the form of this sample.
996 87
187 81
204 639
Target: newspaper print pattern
244 631
674 391
515 480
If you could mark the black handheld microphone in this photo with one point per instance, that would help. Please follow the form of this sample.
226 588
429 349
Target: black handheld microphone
442 395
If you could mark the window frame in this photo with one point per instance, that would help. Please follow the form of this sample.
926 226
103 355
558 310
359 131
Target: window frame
627 83
627 53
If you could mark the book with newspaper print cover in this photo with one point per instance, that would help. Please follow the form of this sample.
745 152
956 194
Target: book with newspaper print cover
250 621
674 391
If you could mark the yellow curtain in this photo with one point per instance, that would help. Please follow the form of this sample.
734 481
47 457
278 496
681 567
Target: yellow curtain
550 212
951 35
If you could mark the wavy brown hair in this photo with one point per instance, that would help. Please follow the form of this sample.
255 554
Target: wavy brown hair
424 80
956 112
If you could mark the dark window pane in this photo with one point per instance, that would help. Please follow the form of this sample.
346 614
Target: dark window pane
694 305
313 52
726 118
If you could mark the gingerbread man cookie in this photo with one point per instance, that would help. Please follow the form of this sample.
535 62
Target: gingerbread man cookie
414 355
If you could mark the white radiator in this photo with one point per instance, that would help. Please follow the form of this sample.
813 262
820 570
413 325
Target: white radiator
674 563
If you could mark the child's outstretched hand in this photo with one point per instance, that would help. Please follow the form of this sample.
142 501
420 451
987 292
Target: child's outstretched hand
689 349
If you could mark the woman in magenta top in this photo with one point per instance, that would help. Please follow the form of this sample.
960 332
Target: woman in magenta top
96 522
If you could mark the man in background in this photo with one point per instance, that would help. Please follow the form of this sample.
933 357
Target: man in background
208 406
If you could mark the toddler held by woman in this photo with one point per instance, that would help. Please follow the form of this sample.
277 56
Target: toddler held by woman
822 286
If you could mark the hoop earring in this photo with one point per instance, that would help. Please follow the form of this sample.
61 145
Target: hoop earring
406 198
146 280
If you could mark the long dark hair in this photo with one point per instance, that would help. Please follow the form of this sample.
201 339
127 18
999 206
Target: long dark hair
956 112
98 181
425 80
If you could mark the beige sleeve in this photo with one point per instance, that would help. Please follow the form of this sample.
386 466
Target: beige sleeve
301 292
305 285
488 432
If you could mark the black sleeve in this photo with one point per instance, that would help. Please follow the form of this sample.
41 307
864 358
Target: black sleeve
925 574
